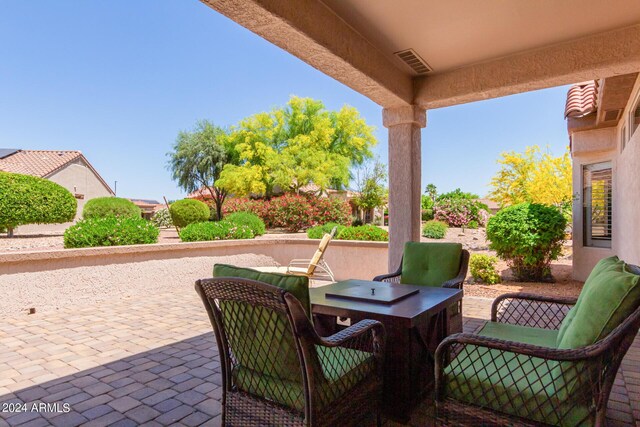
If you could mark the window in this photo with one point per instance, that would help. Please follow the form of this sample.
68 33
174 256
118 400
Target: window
634 119
596 181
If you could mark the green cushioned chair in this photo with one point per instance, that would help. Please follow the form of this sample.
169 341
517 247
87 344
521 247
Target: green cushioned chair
276 369
430 264
542 361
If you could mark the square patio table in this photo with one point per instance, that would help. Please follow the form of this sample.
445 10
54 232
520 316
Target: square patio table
414 326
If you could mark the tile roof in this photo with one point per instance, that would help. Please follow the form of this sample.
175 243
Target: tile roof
41 163
582 99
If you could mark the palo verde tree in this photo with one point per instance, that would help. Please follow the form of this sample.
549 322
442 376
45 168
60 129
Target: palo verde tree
28 199
293 146
534 177
198 158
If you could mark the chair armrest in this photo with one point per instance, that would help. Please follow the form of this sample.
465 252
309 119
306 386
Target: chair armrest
370 329
531 310
453 345
391 277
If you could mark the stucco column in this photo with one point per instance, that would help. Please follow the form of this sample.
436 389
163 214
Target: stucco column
404 124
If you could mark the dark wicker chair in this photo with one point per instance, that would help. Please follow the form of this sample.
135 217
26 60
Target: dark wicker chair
558 386
276 370
455 282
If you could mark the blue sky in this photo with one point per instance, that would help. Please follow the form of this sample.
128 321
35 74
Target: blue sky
118 79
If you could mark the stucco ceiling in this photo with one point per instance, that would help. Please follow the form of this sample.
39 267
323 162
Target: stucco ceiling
454 33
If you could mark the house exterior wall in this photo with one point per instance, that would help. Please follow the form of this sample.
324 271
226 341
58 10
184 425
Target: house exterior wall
601 145
78 178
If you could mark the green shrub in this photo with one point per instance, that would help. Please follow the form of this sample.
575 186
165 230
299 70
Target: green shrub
364 232
27 199
528 236
188 211
249 219
221 230
110 231
472 225
483 268
162 218
318 231
435 229
426 214
102 207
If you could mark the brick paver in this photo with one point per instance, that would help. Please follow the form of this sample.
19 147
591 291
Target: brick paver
153 361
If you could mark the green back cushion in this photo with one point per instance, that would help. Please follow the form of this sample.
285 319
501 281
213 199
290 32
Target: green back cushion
430 264
610 294
298 286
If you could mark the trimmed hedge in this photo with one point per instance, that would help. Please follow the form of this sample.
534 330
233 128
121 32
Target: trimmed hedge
364 232
221 230
249 219
483 268
102 207
434 229
27 199
110 231
319 230
528 236
188 211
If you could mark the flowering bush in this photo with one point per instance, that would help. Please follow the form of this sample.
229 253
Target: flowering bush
293 212
162 218
483 217
221 230
110 231
454 212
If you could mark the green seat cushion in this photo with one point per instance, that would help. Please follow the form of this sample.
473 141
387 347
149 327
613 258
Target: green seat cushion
340 370
523 334
430 264
514 384
298 286
610 295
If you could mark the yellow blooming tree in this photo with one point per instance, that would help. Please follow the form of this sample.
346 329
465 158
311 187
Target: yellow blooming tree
293 146
533 176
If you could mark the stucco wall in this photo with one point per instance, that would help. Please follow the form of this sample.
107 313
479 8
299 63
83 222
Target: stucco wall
626 214
347 259
78 179
602 145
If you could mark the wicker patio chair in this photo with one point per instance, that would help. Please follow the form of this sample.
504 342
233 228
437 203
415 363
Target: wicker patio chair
315 268
513 372
276 370
447 265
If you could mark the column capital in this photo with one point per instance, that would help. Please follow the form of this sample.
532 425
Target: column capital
410 114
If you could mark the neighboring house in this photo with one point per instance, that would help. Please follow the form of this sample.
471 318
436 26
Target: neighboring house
147 206
493 206
603 120
70 169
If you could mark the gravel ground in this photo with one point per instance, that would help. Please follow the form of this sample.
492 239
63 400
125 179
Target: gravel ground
81 286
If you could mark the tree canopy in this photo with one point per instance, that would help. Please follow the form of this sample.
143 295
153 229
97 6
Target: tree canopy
534 177
198 158
292 146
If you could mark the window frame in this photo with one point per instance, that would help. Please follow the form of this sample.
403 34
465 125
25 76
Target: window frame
587 212
635 106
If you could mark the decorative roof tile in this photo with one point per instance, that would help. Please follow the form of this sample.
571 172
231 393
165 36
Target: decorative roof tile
41 163
582 99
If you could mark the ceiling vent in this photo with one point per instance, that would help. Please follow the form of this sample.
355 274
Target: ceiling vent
612 115
413 60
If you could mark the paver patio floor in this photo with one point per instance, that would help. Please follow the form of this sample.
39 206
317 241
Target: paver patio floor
153 361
